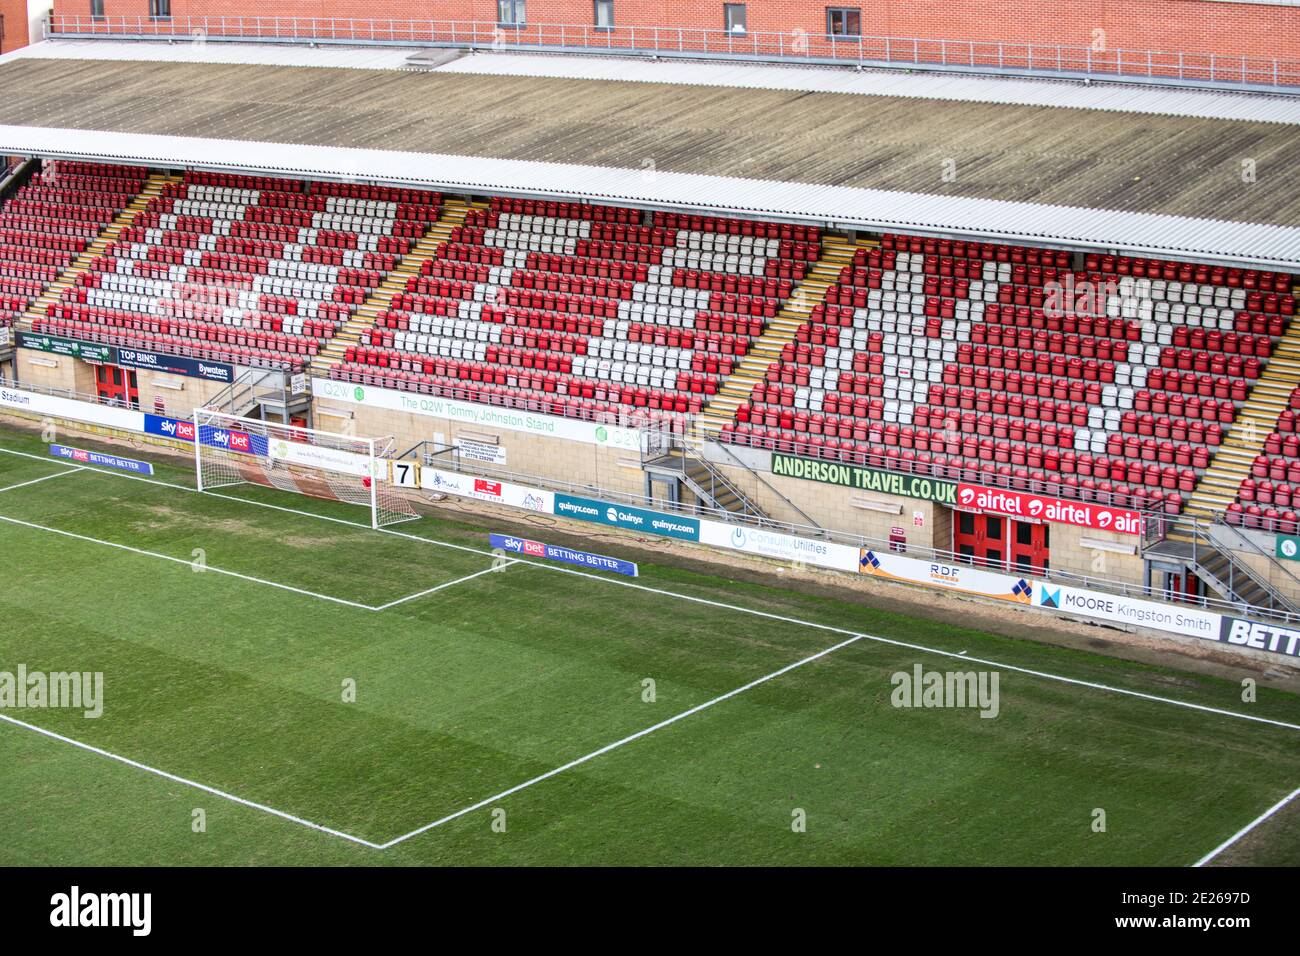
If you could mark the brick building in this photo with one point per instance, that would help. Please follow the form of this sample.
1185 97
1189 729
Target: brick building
1268 29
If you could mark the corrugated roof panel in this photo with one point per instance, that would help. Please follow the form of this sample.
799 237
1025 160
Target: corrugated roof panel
941 86
1115 97
1144 234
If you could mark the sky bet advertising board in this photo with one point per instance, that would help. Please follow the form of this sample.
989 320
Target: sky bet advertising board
227 439
554 552
169 427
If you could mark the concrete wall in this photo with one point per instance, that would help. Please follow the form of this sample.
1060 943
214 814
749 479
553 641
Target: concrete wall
1070 551
174 395
54 371
924 523
550 458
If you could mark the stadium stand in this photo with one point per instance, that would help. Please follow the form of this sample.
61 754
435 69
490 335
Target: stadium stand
1268 498
951 359
1103 378
585 311
250 270
51 220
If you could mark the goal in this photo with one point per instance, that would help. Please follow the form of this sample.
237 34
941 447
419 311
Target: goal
230 450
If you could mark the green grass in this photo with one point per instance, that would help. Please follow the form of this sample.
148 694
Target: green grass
475 689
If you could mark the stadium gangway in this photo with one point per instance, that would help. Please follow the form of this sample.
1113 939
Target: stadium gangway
796 47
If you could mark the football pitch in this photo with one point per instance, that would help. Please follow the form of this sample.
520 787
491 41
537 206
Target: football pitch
283 685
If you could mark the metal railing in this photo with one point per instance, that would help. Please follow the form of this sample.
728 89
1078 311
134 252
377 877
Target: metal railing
253 387
796 46
1230 538
1218 564
438 454
943 555
737 460
52 391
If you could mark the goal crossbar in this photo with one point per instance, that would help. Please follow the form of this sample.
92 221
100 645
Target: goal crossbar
233 450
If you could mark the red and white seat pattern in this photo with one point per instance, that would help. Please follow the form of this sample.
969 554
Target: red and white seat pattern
50 220
585 310
253 271
1269 497
980 362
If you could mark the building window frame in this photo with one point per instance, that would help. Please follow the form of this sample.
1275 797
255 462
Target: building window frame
96 9
735 18
848 17
608 7
160 9
512 14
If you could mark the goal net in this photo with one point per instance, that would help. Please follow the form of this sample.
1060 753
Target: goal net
229 450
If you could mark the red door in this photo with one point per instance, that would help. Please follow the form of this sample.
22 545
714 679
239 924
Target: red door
980 539
1030 547
117 386
1178 587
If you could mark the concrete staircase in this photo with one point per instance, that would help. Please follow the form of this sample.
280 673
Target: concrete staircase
453 214
152 188
1255 422
837 252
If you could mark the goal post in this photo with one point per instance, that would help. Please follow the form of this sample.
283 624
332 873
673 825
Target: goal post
230 450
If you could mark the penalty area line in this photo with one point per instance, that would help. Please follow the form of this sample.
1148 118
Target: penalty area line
1046 675
875 638
252 805
207 568
1247 828
37 481
495 569
731 607
620 743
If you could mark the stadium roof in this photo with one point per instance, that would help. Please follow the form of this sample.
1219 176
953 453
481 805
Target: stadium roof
743 142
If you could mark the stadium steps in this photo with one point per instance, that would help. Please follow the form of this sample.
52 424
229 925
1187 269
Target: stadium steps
709 485
453 214
152 189
1256 420
837 252
1235 581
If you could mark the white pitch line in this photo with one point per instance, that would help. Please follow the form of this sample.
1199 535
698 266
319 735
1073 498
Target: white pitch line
619 743
206 568
698 600
1247 828
36 481
189 783
705 601
447 584
878 639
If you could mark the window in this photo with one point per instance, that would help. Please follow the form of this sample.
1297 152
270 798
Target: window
604 14
97 9
734 17
160 9
844 21
510 13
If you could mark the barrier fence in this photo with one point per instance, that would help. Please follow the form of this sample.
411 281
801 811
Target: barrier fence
797 46
785 540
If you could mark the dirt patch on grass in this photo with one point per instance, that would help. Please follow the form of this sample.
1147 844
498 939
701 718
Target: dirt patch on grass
1170 651
1188 654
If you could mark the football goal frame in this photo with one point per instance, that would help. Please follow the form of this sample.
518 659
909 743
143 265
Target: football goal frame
231 450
